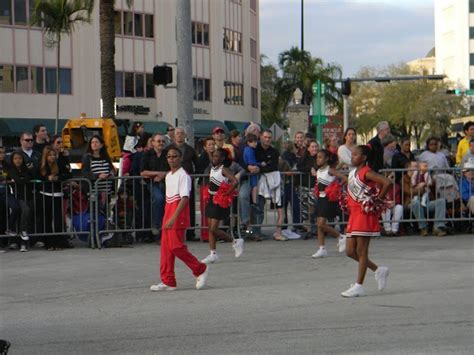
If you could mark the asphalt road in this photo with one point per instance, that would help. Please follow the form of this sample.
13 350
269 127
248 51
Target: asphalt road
274 300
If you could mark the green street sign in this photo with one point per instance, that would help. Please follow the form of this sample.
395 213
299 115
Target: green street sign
315 89
470 92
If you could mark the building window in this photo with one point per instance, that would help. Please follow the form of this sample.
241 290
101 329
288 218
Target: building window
234 93
21 79
471 32
118 22
471 59
127 23
65 87
118 84
133 24
200 33
129 85
253 49
471 84
202 89
254 97
471 6
253 5
150 87
6 78
20 12
5 12
138 25
37 80
134 85
232 41
149 26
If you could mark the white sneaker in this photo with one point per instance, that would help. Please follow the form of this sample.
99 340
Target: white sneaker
381 275
202 279
341 243
24 236
238 246
321 253
23 248
354 291
212 258
162 287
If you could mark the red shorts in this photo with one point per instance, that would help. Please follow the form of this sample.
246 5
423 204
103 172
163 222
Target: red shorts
362 225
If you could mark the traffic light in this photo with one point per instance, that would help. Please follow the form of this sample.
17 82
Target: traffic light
162 75
454 92
346 87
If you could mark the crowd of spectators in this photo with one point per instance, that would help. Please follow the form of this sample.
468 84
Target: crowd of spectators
33 193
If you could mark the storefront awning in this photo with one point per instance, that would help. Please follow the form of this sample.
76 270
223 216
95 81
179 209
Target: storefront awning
203 128
13 127
236 125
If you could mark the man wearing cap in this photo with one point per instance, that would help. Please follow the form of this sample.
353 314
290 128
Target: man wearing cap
383 129
219 137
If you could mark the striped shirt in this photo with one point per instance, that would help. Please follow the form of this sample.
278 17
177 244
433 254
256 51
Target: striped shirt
216 178
101 166
324 179
178 185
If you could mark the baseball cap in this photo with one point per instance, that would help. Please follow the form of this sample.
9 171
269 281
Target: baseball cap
217 129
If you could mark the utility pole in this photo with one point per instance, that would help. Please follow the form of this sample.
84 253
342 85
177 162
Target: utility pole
184 68
302 25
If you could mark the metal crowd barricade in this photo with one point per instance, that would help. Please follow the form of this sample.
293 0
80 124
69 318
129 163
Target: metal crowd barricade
48 212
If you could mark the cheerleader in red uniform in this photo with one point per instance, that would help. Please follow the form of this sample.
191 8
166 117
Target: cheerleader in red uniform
327 207
364 202
221 189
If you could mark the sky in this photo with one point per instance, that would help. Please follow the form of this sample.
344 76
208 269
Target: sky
352 33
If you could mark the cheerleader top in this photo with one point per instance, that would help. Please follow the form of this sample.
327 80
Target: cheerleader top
358 187
216 178
324 179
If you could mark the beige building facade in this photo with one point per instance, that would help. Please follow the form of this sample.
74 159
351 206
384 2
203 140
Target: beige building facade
225 59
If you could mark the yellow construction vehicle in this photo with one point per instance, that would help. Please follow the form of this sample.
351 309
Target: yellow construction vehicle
78 131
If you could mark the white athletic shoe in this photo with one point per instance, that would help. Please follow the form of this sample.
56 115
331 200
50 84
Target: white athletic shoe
341 243
211 259
354 291
321 253
162 287
23 248
202 279
381 275
238 246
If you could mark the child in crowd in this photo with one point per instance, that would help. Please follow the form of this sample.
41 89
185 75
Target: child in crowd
422 175
327 207
394 213
251 160
216 213
364 222
467 185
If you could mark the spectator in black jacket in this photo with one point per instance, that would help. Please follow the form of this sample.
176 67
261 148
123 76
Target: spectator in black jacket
41 138
383 129
21 177
400 159
31 157
52 174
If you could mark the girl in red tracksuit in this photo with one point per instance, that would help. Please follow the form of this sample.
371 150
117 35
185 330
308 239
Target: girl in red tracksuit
175 222
364 221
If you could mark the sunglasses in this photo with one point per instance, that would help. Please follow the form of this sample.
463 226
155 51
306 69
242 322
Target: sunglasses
160 141
28 140
172 156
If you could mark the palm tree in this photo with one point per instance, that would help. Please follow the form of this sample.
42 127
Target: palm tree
58 18
300 70
107 56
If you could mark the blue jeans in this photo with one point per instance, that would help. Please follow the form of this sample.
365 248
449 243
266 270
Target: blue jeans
291 197
244 202
157 204
257 215
439 208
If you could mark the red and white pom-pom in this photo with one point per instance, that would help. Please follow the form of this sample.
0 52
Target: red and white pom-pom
224 201
343 199
375 206
205 194
333 191
316 190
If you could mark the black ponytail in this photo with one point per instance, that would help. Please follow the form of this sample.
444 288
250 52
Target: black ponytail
367 151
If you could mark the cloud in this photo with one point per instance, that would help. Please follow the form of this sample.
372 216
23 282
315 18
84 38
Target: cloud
351 33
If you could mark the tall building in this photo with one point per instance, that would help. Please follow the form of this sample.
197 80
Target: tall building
425 65
454 41
225 59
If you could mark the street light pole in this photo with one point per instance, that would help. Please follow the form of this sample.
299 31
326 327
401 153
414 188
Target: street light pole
302 25
184 68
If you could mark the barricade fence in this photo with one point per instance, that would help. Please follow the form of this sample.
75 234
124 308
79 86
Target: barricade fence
121 209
